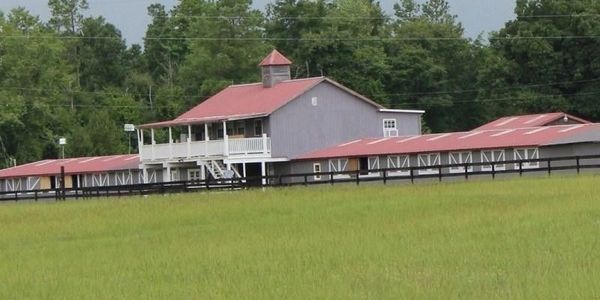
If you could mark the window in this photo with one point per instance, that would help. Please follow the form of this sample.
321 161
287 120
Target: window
314 101
401 162
174 175
339 165
389 128
240 127
459 158
317 169
258 127
194 175
493 156
428 160
525 154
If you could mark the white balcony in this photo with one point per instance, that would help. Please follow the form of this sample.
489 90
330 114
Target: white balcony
227 147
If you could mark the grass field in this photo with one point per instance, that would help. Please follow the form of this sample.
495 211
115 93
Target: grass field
514 239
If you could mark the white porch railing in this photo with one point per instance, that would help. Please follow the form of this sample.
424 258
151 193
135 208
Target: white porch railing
225 147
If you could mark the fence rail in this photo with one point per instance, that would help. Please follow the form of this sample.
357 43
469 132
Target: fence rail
411 174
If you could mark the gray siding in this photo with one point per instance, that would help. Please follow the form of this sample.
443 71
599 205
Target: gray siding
298 167
299 127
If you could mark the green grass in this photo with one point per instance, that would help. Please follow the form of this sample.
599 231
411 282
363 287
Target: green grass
513 239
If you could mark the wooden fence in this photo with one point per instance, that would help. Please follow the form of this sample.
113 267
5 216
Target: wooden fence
411 174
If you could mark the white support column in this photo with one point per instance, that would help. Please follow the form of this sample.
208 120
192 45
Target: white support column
263 172
140 140
145 175
167 174
225 139
152 141
206 139
170 143
264 141
189 141
244 171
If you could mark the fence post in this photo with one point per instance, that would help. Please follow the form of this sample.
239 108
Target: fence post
493 171
578 166
357 177
331 178
384 176
549 167
63 193
520 168
440 173
466 171
412 175
305 180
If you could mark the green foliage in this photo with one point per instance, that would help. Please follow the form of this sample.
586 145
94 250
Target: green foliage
512 239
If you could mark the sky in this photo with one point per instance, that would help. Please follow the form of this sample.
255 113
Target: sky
476 16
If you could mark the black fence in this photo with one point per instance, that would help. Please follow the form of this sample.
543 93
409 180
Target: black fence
387 175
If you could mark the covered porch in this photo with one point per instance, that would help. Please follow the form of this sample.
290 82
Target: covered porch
176 140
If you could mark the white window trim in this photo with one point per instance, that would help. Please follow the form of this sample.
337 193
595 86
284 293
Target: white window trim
391 131
524 154
314 101
315 167
425 160
458 158
339 165
399 161
493 156
191 173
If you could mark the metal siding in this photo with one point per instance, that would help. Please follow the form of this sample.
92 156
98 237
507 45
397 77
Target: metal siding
300 127
407 124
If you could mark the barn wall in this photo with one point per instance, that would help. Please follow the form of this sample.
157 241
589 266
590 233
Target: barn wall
299 127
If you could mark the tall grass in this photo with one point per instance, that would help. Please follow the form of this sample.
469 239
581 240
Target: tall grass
517 239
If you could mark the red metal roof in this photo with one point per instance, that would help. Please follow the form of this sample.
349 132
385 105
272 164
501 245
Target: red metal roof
275 59
511 122
80 165
249 101
454 141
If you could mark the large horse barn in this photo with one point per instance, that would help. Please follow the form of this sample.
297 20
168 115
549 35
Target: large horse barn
506 139
513 138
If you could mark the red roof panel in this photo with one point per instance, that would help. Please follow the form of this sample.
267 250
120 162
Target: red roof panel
455 141
243 101
275 59
511 122
80 165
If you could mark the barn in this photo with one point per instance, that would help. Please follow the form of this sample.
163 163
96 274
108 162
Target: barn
79 172
510 138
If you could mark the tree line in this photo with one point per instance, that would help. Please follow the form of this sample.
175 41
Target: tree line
75 77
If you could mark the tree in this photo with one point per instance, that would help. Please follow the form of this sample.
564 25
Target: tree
67 15
553 73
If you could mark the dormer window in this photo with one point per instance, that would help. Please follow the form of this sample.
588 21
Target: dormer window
389 128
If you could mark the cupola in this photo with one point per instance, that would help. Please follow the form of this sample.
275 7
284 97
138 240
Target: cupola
275 68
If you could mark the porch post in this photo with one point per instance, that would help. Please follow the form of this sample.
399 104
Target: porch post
145 175
152 141
244 169
189 141
167 174
263 172
170 143
140 140
264 140
206 139
225 139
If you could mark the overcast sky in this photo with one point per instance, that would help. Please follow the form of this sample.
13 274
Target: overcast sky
477 16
